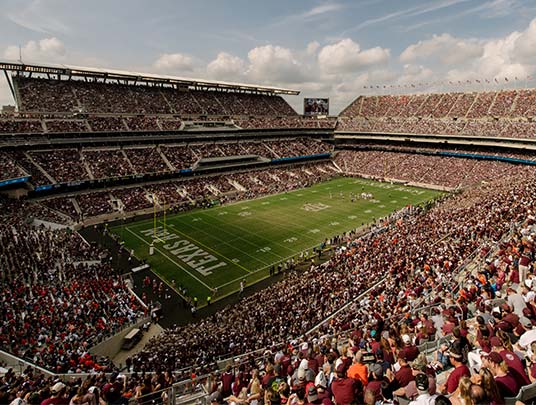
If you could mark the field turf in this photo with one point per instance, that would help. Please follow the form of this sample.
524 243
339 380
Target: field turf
219 247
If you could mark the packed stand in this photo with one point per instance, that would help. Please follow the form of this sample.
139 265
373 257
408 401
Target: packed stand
505 113
59 296
8 168
443 171
62 165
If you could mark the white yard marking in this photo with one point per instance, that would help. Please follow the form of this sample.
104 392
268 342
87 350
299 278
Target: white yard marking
314 207
244 214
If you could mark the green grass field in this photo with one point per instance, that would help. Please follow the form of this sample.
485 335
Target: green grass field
220 246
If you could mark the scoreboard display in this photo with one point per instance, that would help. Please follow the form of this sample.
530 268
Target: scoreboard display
316 106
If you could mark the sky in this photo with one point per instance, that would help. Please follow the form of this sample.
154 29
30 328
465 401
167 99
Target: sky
325 48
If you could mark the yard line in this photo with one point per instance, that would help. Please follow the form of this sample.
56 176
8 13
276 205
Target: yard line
167 257
265 267
212 250
242 252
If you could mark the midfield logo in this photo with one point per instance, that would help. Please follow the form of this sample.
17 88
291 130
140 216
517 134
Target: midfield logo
314 207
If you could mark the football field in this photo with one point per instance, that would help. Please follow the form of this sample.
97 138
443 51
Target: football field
219 247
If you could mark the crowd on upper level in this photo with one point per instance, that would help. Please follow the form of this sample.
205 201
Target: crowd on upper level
68 165
50 96
505 113
184 194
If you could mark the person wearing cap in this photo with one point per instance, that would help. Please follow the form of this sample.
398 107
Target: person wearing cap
409 350
57 393
460 369
424 397
314 398
507 384
515 366
404 374
345 390
376 380
418 366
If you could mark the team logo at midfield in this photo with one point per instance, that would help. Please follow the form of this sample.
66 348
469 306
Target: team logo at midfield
314 207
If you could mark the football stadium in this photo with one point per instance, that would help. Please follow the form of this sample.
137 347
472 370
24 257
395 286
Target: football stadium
167 239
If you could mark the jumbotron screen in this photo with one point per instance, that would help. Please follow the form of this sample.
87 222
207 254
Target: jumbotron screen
316 106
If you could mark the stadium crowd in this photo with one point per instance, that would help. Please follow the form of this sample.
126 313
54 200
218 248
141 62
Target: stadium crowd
60 295
185 194
506 113
446 171
71 165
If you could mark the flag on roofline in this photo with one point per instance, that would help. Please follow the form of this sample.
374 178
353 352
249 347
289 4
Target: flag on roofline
505 79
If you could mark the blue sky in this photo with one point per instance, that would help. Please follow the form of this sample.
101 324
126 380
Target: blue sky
330 48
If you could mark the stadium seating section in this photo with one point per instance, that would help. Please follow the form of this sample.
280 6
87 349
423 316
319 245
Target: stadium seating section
52 166
51 106
506 113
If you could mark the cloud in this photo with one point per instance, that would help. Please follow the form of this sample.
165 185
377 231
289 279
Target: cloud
174 62
346 56
270 63
46 50
427 7
448 49
226 67
312 47
40 16
322 9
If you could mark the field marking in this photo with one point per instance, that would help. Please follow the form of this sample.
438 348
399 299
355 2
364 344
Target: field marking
271 264
228 244
212 250
167 257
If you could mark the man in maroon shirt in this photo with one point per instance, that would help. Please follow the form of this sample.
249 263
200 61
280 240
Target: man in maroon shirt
57 395
345 390
409 351
404 375
507 384
515 366
455 375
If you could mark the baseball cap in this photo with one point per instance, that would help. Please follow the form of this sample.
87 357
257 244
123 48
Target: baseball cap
406 339
312 394
58 387
495 342
421 381
495 357
376 369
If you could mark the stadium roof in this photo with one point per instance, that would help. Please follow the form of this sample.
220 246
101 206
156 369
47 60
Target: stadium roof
113 74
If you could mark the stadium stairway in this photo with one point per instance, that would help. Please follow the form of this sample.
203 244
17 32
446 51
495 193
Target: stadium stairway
165 159
40 168
128 161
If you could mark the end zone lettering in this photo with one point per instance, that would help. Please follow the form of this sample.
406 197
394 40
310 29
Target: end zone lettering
187 252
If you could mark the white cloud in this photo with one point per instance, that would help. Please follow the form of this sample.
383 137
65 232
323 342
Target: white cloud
271 63
346 56
322 9
174 62
312 47
46 50
448 49
525 44
226 67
